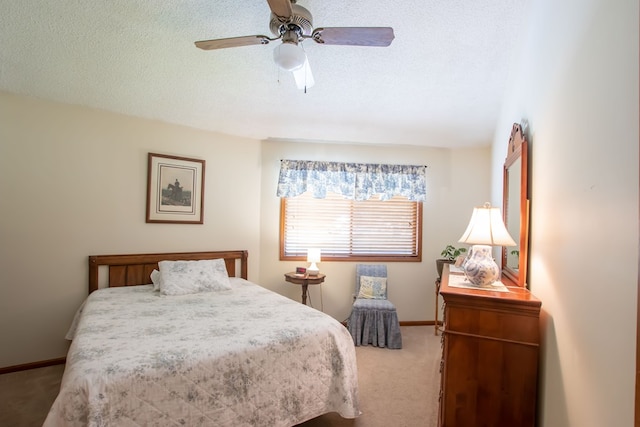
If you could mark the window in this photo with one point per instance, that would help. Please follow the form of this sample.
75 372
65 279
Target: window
370 230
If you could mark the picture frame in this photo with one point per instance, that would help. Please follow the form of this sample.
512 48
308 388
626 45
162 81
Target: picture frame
175 189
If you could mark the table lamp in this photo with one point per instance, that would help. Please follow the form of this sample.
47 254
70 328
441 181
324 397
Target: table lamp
486 229
313 256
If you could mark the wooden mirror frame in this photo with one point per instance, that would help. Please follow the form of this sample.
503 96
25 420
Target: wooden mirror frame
517 150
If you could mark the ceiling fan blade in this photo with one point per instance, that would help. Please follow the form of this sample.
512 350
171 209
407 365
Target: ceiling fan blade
303 76
281 8
232 42
354 36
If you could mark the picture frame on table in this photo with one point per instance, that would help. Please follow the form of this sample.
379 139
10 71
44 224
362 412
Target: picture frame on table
175 189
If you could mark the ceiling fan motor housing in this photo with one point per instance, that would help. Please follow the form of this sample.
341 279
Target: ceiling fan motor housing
301 22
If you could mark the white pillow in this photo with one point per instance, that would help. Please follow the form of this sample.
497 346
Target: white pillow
156 278
190 277
373 287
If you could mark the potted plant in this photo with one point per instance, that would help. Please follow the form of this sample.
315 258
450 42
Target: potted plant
449 254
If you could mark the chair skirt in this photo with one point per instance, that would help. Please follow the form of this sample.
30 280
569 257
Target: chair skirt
378 327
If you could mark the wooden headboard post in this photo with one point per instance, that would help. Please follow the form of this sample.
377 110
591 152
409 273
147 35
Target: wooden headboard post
135 269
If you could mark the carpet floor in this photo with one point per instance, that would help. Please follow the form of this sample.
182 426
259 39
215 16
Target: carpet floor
397 387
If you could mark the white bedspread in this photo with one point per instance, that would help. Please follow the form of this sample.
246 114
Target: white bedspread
245 357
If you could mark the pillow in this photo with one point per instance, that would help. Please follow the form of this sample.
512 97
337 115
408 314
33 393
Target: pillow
190 277
156 277
373 287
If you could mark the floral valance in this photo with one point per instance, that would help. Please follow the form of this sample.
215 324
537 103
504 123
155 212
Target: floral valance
357 181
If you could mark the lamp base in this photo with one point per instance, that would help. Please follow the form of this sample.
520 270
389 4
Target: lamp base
313 270
479 266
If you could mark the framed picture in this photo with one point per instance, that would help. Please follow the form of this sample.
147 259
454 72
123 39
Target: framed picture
175 189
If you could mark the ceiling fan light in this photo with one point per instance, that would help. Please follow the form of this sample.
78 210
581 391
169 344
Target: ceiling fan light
289 56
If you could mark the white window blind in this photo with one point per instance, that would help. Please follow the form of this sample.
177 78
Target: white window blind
349 229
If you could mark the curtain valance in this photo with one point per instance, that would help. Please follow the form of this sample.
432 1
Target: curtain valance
357 181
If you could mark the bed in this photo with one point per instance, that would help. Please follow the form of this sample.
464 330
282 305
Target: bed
238 356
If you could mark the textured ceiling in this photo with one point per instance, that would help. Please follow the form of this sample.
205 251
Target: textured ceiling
439 84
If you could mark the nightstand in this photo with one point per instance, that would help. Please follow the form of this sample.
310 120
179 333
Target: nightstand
304 280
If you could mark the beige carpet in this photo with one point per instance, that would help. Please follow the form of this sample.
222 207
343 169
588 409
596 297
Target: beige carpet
397 387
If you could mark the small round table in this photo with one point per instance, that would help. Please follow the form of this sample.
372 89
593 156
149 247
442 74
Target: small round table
304 280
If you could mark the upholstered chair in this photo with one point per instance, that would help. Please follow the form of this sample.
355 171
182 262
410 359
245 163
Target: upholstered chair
373 319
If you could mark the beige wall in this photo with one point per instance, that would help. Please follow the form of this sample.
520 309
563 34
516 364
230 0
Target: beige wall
73 184
577 85
457 180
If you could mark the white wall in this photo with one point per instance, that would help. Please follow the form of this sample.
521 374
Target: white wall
457 180
577 85
73 184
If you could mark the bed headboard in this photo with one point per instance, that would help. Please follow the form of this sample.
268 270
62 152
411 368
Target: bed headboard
135 269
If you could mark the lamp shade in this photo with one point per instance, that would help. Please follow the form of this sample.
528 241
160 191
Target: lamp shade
289 56
313 255
486 227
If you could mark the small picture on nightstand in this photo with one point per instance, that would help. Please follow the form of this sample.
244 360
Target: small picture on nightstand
301 271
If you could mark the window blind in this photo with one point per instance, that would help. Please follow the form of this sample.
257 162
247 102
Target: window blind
349 229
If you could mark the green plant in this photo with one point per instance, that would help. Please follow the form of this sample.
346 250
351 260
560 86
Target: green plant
451 252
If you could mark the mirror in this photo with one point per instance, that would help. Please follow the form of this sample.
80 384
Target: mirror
515 209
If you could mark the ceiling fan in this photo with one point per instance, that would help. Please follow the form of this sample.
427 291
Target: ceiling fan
292 24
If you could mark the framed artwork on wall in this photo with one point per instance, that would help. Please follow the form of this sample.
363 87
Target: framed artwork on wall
175 189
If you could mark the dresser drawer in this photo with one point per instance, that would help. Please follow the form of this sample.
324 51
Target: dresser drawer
493 323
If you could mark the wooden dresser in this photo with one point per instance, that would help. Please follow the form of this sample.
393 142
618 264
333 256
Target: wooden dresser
489 366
